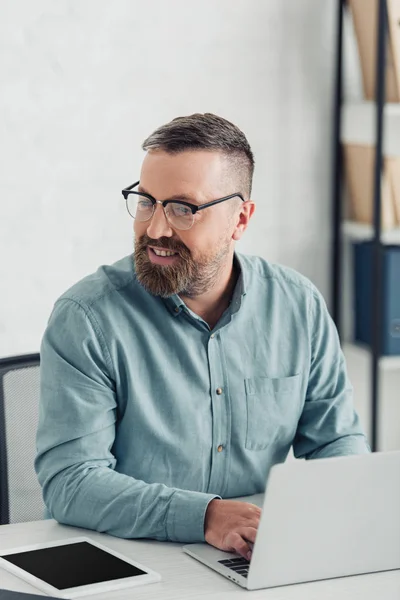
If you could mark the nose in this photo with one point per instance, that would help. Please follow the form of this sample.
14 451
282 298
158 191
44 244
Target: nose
159 225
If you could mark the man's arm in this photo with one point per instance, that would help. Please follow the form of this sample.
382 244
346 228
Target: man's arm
329 425
77 423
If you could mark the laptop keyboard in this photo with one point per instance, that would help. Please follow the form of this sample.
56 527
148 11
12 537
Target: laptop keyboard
239 565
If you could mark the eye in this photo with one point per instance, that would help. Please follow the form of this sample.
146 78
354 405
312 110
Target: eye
144 204
180 210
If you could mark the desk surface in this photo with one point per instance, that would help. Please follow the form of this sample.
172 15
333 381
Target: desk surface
184 577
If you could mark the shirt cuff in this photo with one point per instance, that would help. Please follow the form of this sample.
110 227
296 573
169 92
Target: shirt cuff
185 518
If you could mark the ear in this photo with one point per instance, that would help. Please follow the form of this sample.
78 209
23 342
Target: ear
246 212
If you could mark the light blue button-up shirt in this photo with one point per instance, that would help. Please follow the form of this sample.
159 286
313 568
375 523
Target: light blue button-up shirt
146 414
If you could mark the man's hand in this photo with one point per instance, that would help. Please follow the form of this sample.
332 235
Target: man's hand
230 525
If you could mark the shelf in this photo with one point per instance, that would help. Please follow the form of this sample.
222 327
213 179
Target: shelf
358 125
360 232
358 351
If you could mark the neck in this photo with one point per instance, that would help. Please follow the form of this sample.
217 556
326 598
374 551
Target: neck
211 304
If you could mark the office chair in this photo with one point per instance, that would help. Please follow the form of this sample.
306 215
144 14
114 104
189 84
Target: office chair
20 492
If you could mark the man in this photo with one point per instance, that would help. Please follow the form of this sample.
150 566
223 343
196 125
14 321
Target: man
173 380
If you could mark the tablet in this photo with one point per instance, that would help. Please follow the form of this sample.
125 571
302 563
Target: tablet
75 567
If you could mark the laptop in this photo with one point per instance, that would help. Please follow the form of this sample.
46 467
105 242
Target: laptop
320 519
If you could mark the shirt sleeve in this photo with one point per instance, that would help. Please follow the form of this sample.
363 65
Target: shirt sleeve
329 425
76 432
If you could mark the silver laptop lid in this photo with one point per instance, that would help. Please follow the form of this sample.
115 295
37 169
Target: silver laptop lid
328 518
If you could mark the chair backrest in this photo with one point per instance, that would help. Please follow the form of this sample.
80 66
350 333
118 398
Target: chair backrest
20 492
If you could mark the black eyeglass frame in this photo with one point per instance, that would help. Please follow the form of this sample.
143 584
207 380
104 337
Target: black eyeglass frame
193 207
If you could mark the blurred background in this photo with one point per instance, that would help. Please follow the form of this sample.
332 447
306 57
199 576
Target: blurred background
84 82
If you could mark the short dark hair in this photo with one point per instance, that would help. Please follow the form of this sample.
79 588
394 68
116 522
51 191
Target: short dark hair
207 132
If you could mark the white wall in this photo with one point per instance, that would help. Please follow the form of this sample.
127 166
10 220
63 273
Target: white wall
85 81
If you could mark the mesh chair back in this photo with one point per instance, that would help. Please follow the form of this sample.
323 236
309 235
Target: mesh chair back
20 492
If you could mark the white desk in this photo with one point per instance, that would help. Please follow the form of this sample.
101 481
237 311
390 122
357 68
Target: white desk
184 577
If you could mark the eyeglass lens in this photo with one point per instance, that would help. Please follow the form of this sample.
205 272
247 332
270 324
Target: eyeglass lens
142 209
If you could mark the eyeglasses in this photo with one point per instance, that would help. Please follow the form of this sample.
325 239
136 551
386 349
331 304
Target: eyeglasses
179 213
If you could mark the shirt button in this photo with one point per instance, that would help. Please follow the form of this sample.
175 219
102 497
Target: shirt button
176 309
212 336
220 448
219 391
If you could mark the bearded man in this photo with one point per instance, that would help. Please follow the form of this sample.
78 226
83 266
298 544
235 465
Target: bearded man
172 380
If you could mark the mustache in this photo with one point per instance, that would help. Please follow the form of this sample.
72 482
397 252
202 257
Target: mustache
163 242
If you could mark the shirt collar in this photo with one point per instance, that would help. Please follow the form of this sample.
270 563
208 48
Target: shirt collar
241 285
174 304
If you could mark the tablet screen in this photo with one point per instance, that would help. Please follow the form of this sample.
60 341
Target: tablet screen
73 565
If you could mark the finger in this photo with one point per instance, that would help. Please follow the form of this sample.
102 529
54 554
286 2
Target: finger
255 509
255 512
250 519
237 544
248 533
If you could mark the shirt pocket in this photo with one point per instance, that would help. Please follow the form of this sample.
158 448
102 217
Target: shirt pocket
272 409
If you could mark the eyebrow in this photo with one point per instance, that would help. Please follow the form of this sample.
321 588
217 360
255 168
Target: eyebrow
186 197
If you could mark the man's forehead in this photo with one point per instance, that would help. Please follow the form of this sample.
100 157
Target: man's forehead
197 175
176 194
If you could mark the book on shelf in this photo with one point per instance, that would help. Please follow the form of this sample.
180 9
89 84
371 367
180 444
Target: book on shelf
359 165
365 20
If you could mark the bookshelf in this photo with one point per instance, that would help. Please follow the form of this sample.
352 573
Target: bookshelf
375 123
361 232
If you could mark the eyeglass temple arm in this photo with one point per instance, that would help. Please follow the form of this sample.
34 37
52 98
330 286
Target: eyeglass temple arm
128 189
221 200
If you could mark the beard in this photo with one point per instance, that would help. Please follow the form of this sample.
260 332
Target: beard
187 277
